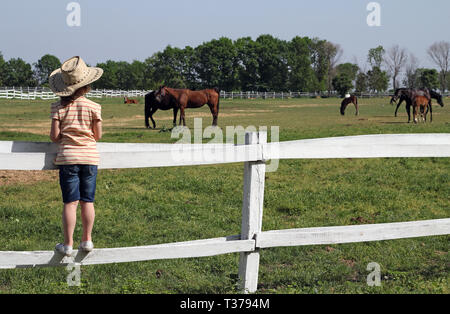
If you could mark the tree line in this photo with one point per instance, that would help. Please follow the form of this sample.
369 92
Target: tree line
265 64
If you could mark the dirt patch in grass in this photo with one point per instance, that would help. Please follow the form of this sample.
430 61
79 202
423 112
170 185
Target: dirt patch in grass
253 110
308 105
11 177
116 121
38 131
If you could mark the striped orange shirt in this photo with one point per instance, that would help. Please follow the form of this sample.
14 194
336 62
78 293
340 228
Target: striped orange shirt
77 145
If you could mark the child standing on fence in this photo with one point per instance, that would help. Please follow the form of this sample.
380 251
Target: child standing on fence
76 127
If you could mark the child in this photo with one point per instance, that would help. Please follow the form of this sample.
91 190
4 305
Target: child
76 127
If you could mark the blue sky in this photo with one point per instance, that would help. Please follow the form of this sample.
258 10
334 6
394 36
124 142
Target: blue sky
135 29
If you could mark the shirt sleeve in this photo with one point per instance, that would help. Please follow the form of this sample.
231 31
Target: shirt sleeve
97 114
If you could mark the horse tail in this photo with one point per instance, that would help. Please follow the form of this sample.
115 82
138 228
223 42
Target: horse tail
218 98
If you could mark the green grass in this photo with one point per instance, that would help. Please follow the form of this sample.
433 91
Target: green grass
162 205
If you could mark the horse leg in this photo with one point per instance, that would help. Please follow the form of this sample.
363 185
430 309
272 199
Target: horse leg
182 116
147 114
431 112
414 113
408 110
214 111
357 109
175 113
151 117
396 109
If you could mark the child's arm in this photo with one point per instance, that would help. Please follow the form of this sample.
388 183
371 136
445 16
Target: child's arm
55 132
97 129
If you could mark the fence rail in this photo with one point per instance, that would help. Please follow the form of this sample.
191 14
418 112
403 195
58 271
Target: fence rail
32 93
39 156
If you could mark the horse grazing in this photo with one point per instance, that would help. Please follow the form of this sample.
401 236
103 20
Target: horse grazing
152 105
126 100
421 104
408 95
348 100
186 98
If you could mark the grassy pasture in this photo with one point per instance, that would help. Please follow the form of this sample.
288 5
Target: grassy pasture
161 205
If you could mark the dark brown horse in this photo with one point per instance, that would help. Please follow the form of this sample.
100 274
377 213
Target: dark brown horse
186 98
352 99
152 105
407 95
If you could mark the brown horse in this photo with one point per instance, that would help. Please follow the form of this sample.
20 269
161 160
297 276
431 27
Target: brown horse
421 105
126 100
348 100
186 98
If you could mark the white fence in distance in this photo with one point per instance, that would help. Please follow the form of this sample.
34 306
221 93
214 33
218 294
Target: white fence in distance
32 93
39 156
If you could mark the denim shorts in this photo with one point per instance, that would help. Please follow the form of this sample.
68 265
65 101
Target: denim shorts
78 182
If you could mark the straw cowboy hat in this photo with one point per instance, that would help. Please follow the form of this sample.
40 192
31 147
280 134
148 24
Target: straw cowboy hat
72 75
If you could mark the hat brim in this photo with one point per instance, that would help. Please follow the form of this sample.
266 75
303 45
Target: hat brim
59 88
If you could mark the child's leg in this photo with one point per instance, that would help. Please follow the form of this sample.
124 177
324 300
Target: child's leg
69 218
88 180
87 217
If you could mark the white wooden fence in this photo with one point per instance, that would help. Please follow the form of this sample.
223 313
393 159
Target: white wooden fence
33 93
39 156
45 93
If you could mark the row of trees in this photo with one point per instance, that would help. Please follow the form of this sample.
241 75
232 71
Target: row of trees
264 64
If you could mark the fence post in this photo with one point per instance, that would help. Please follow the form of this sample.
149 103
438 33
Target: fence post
252 211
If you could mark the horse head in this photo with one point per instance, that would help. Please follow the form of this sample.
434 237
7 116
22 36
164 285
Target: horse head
160 93
439 99
343 106
393 100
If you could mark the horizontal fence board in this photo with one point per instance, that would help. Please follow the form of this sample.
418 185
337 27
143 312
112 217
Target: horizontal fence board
349 234
48 147
167 157
40 156
364 146
197 248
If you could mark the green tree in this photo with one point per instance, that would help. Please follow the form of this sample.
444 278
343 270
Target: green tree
137 77
428 78
44 67
273 65
349 69
171 67
378 80
18 73
319 63
247 64
124 76
342 83
361 83
333 53
216 64
109 77
376 57
301 74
